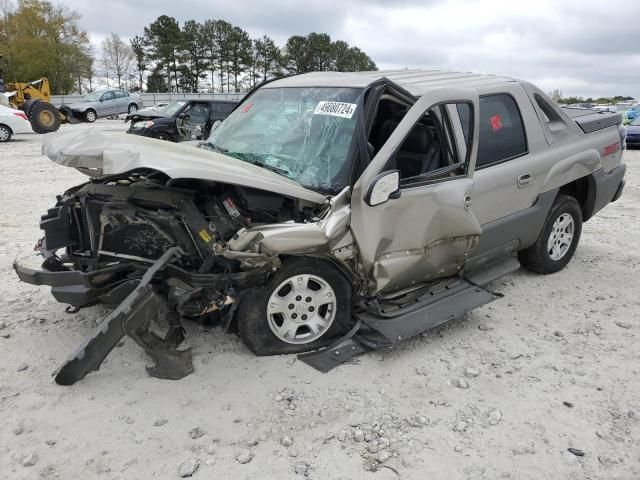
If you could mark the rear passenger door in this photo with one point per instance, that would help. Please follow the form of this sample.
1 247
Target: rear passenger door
122 102
507 175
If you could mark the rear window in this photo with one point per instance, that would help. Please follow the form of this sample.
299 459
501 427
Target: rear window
501 133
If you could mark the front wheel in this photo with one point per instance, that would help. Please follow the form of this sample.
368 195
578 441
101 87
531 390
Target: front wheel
90 116
558 239
303 306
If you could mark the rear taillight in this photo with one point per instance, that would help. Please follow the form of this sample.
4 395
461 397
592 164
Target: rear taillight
21 115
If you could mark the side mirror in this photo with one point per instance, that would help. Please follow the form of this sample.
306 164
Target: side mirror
184 116
383 187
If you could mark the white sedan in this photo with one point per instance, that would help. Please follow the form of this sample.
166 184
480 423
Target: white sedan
12 122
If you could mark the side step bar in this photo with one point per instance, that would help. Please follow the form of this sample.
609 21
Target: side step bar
392 321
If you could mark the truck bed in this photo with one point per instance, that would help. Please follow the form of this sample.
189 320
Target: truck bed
592 120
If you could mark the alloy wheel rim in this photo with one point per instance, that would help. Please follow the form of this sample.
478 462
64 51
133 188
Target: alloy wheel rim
301 309
4 134
91 116
561 237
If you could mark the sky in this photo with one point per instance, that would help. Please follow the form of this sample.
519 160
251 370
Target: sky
586 48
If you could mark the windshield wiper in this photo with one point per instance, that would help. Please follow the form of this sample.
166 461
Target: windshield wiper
215 147
251 158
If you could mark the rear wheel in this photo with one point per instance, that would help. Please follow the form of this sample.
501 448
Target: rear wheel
133 108
558 239
5 133
304 306
90 116
44 117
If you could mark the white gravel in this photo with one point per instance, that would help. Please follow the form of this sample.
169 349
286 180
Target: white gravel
553 365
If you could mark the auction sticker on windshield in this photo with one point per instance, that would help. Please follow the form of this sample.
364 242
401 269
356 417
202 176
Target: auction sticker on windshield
336 109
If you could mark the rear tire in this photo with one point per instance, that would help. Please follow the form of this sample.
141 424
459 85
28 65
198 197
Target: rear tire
261 323
44 117
133 108
90 116
5 133
558 239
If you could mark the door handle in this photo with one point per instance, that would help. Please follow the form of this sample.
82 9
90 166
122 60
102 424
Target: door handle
524 180
467 202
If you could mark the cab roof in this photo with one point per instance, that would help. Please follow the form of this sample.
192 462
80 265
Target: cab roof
416 82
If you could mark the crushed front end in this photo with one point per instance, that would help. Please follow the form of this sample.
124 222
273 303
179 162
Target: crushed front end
158 251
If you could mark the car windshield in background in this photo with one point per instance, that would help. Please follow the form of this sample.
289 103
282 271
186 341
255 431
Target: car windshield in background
636 122
92 97
301 133
172 108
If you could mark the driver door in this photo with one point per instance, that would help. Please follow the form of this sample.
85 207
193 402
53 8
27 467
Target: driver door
426 228
107 104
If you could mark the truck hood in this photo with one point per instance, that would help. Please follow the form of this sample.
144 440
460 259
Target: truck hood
114 152
146 114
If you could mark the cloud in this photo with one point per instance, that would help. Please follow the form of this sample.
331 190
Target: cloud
583 47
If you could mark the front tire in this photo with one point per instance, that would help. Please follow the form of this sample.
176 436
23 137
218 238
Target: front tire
303 306
558 239
90 116
44 117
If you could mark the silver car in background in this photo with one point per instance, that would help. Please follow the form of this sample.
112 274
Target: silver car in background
104 103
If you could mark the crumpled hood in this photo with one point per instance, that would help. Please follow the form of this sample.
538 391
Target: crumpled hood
115 152
146 114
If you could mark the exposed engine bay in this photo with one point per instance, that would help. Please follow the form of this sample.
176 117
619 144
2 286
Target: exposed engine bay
202 239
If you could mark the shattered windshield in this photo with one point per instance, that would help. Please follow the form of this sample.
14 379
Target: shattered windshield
301 133
172 108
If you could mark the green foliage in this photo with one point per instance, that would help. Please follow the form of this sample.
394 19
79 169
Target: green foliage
225 58
40 39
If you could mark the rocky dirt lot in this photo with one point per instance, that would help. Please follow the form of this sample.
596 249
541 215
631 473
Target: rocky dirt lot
542 384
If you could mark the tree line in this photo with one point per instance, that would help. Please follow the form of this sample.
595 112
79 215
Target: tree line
39 38
215 55
556 95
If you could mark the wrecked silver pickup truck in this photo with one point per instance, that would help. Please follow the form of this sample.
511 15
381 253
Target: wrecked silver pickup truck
330 213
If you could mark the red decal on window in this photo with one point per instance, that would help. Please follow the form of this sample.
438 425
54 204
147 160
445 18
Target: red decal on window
613 148
496 123
247 107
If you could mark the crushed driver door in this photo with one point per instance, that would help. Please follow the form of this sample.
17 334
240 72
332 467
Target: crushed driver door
426 228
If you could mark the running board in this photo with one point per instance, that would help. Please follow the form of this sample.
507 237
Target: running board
435 309
394 320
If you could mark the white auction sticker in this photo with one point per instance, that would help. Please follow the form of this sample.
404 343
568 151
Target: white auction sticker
336 109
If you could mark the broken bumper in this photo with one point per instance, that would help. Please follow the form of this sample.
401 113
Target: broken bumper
111 284
72 286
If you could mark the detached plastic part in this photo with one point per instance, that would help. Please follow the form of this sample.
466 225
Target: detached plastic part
133 317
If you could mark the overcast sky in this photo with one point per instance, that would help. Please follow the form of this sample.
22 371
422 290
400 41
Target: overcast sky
583 47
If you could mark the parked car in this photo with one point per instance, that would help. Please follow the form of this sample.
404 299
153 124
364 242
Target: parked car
633 133
12 122
335 211
180 121
104 103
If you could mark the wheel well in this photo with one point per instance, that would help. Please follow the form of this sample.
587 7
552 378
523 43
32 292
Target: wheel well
132 103
584 191
7 126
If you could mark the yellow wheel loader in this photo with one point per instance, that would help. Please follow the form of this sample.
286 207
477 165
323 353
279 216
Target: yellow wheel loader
34 99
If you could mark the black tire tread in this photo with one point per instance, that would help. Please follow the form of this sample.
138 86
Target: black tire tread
251 314
34 117
536 257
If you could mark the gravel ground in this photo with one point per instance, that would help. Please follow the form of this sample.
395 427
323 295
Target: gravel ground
504 393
